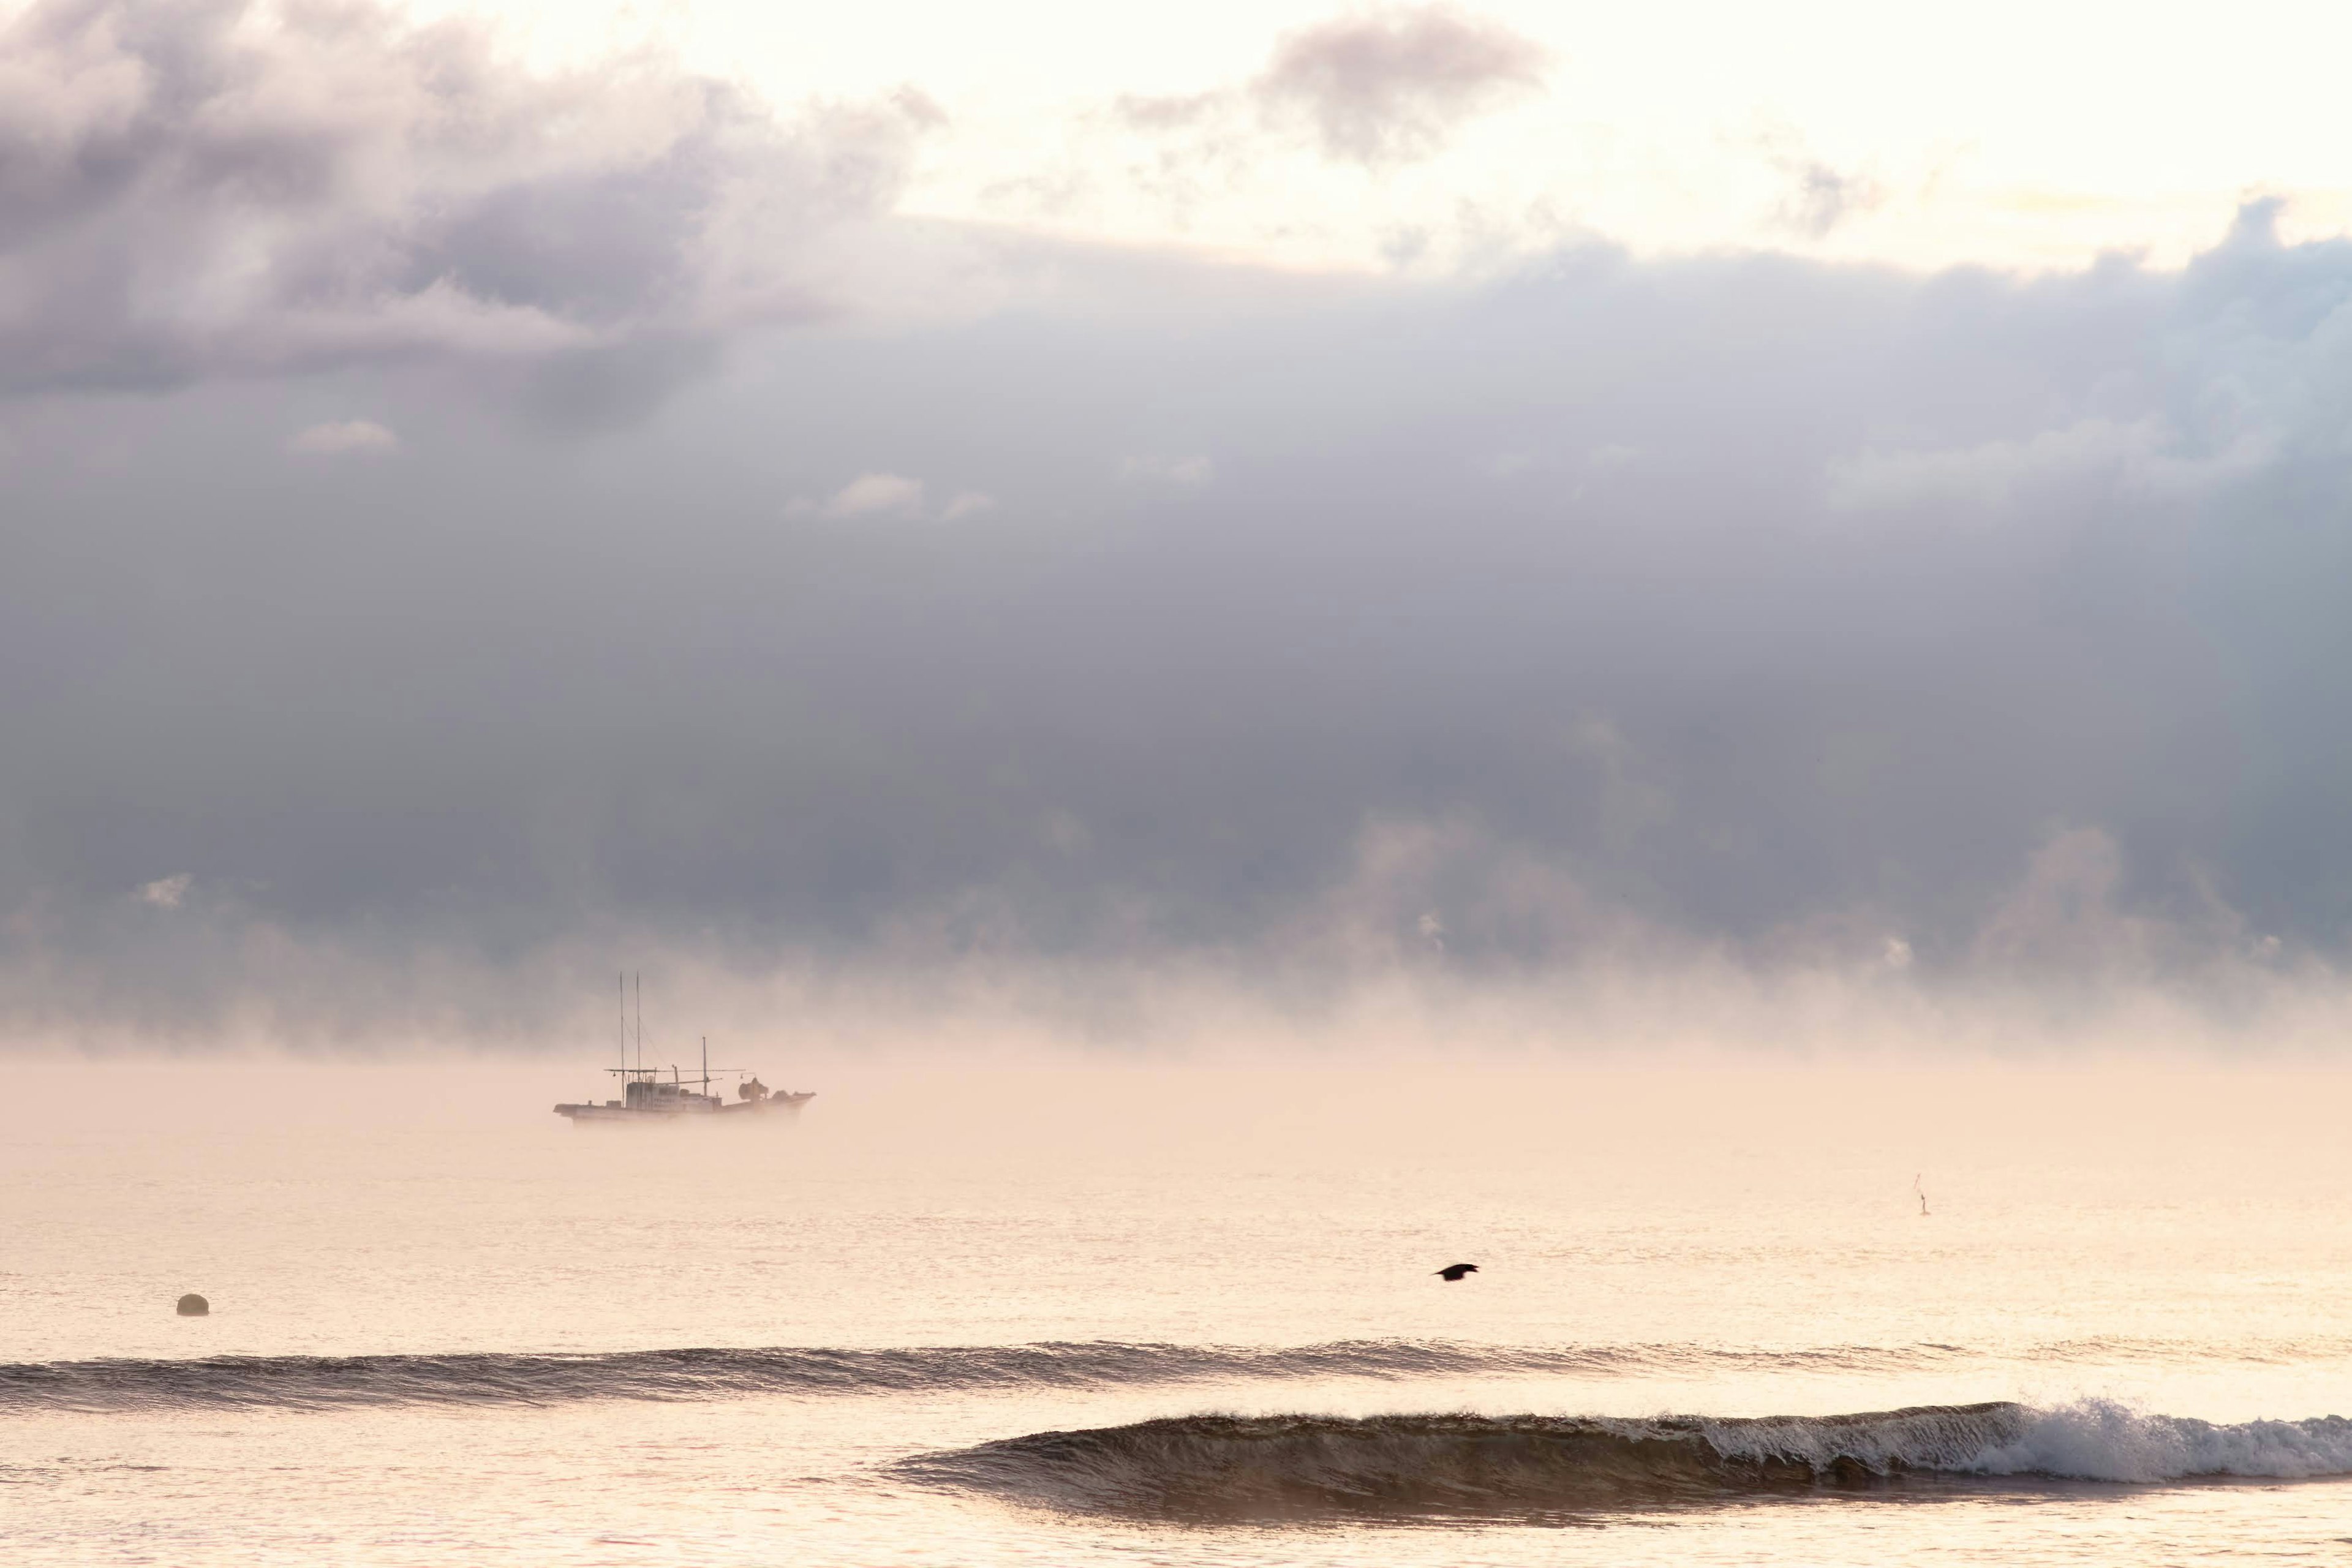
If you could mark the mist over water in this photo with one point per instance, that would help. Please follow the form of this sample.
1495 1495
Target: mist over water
834 1336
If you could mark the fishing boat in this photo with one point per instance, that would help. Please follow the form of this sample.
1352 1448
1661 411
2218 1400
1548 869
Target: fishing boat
647 1097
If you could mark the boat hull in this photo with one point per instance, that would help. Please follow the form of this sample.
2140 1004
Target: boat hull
778 1107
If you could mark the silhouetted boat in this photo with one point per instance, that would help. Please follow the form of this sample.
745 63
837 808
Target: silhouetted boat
646 1098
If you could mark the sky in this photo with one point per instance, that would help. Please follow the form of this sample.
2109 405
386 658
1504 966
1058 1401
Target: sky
2020 135
1578 526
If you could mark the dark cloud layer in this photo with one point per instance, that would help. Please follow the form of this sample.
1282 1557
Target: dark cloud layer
194 190
1729 616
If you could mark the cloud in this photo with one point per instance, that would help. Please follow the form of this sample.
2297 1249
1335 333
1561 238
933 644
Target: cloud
2147 457
224 189
1820 198
1181 473
872 495
1668 718
1377 88
1172 112
1392 85
891 495
165 892
349 436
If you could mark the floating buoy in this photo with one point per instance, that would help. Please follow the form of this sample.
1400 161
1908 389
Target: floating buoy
193 1306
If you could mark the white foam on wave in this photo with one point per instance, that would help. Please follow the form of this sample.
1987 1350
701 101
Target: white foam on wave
2092 1439
2101 1440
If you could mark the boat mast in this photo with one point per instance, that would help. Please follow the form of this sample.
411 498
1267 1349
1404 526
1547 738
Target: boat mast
641 1020
624 1021
706 1064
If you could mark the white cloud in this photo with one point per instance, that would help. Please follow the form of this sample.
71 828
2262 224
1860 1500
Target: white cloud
165 892
334 440
1184 473
877 495
890 495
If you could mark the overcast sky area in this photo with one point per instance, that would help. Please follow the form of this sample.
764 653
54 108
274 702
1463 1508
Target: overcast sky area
1291 505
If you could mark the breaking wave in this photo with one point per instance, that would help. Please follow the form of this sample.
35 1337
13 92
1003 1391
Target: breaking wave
1293 1466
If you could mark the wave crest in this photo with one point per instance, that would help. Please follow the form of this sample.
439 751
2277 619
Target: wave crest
308 1381
1288 1466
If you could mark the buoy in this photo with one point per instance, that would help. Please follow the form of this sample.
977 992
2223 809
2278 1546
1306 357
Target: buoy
193 1306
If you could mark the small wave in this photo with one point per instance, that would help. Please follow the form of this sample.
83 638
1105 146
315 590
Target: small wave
1293 1466
303 1382
306 1382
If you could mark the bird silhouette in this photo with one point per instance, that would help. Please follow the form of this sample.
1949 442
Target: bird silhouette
1453 1272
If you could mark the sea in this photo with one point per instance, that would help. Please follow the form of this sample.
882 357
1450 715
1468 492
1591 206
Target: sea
1083 1309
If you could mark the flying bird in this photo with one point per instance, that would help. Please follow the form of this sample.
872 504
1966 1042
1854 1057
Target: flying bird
1453 1272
